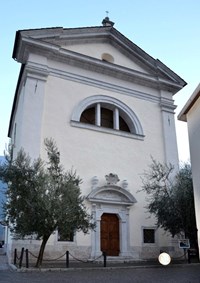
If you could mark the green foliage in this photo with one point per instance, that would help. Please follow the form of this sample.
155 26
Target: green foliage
170 198
42 196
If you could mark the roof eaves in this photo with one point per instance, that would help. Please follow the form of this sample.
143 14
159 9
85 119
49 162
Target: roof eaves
17 38
171 74
182 116
154 64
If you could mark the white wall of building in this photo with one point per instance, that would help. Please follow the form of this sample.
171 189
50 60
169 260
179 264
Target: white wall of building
50 93
193 121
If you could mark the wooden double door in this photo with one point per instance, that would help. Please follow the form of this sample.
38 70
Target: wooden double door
110 234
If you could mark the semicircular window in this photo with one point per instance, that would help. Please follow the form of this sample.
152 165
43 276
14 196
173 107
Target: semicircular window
88 116
102 112
106 118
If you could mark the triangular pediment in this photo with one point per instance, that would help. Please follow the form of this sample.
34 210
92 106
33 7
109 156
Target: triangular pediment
85 47
101 50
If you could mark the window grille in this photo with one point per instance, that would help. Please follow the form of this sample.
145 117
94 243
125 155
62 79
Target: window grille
149 236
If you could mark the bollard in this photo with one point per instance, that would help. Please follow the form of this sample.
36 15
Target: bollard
27 259
15 256
189 259
104 259
67 259
21 258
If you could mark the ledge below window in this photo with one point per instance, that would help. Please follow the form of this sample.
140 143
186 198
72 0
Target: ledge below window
107 130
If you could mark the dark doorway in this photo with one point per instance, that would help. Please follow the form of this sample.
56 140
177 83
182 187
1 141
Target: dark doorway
110 234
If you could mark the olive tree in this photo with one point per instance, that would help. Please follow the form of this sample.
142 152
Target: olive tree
42 197
170 198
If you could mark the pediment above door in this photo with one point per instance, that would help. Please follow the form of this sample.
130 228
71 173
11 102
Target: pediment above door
111 194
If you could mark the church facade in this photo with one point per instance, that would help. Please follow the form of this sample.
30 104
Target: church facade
109 107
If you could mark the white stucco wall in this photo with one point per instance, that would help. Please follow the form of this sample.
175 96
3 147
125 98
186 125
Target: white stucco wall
97 154
45 108
28 119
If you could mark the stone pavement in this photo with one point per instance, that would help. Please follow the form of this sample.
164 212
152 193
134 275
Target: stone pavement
115 272
181 273
3 262
61 265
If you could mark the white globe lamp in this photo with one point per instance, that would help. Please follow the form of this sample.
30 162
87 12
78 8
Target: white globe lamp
164 258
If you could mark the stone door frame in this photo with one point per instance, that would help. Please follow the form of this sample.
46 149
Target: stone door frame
114 200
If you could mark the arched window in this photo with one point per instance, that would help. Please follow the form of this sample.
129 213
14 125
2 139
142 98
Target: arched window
107 118
107 57
107 114
88 116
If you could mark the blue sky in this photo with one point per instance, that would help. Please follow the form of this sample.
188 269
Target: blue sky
167 30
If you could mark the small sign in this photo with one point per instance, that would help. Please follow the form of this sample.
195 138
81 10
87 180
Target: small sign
184 244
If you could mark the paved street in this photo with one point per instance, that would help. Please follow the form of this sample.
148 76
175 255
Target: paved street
169 274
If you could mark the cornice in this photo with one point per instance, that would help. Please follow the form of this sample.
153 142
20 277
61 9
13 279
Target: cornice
95 65
102 84
167 105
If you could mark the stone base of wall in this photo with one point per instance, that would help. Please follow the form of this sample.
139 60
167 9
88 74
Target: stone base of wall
84 252
153 252
51 252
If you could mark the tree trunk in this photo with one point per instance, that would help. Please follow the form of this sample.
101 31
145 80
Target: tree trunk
41 252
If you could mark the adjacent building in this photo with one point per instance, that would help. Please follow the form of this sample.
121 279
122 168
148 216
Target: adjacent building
109 106
191 114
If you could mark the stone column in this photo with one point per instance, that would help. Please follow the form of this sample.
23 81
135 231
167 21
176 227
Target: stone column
93 233
116 119
98 114
169 131
96 234
123 234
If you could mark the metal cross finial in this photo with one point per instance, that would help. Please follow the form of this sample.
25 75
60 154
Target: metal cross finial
106 21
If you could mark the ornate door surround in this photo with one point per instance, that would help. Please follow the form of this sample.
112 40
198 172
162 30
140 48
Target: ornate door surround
111 199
